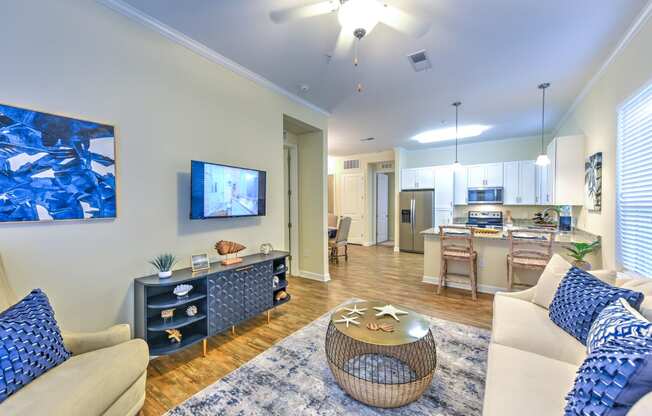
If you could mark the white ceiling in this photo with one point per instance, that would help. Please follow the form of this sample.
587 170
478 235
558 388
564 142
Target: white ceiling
489 54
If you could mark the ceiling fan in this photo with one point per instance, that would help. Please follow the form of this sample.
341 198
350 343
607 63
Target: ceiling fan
357 19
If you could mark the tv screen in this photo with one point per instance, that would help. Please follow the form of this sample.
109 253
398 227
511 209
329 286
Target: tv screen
220 191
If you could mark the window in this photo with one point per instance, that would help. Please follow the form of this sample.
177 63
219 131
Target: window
634 184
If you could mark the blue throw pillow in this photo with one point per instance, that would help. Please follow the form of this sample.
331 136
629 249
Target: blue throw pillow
579 299
617 320
612 378
30 343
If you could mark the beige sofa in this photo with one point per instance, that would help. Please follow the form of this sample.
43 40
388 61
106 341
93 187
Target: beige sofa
105 376
532 362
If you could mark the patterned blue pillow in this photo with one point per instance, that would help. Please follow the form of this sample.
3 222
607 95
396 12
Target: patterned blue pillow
617 320
612 378
579 299
30 342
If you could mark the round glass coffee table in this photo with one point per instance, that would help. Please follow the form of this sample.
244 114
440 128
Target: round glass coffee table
389 365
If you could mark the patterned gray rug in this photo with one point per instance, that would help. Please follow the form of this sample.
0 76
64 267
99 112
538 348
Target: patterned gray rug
293 378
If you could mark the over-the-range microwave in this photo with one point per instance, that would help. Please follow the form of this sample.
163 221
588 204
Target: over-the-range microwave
485 196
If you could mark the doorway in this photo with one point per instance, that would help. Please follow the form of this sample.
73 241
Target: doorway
384 208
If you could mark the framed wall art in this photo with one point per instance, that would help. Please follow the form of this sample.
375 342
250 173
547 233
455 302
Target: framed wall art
593 182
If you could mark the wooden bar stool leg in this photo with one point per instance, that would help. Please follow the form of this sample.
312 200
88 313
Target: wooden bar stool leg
510 274
442 275
472 263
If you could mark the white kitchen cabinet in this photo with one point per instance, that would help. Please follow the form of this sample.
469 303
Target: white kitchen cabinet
443 217
485 175
444 195
461 192
519 183
563 178
417 178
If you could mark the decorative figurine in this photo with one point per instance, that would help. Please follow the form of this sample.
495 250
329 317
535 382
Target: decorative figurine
224 248
182 290
372 326
167 314
355 310
174 335
266 248
275 282
280 295
191 310
347 320
390 310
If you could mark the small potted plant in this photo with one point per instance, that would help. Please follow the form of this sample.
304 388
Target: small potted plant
163 263
579 250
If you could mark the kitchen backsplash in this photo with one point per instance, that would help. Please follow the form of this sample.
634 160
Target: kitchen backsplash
518 211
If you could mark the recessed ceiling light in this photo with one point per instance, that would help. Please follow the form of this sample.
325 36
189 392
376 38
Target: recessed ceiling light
448 133
368 139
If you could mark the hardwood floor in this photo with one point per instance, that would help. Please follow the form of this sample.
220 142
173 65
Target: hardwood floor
370 273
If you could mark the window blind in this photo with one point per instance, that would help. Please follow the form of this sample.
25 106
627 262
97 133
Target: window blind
634 184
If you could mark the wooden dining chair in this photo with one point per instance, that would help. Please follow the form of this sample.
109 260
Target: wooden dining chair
456 243
528 249
341 240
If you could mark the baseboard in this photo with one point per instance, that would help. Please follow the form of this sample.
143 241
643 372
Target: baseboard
396 249
434 280
368 244
314 276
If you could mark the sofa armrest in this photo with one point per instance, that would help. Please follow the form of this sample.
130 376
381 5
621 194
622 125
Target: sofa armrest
83 342
527 294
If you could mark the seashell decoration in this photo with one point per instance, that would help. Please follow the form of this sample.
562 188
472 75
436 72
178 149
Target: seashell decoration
372 326
191 310
182 290
224 247
266 248
174 335
280 295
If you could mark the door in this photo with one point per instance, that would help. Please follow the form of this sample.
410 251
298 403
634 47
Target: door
406 217
408 179
476 176
353 205
494 175
527 182
444 187
511 183
423 217
461 187
382 208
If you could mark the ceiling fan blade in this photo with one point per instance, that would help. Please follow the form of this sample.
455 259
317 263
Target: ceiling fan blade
301 12
404 22
344 43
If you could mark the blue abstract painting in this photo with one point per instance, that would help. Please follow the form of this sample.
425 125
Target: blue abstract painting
55 168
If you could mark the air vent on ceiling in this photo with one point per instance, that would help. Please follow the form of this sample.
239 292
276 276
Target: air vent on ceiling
352 164
419 61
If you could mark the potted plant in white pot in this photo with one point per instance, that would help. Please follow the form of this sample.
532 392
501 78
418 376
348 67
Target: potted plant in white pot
163 263
580 250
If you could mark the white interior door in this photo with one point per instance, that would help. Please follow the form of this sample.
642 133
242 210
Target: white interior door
352 198
382 208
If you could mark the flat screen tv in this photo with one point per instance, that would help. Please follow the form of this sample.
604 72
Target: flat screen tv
220 191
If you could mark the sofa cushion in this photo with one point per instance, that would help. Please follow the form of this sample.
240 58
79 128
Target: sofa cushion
643 285
86 384
523 383
521 324
579 299
612 378
617 320
30 343
549 280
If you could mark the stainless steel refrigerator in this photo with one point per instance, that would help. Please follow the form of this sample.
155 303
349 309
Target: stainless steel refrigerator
416 208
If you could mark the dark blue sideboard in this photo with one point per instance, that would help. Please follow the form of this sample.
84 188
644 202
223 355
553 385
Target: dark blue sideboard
224 297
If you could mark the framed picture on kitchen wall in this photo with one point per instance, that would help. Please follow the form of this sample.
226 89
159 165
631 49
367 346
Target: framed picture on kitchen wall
593 182
54 167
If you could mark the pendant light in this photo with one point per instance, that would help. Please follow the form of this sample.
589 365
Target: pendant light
456 104
543 159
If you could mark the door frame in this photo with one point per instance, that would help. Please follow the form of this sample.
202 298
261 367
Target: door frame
376 241
294 207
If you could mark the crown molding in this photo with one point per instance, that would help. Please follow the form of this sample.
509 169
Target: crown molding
199 48
641 19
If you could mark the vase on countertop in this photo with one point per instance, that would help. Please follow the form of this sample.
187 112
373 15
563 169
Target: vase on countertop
165 274
581 264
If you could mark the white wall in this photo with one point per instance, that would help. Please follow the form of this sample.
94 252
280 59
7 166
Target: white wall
169 106
595 117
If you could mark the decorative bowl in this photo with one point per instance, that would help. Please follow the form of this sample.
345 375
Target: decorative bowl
182 290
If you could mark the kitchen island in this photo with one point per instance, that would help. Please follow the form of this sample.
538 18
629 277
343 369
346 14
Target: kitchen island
492 260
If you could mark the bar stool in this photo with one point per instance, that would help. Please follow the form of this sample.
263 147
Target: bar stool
528 249
456 243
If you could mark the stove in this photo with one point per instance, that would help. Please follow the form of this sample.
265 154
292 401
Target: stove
485 219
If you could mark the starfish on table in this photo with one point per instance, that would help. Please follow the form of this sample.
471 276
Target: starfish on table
355 310
347 320
390 310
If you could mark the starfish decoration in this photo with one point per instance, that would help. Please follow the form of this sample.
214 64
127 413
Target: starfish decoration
347 320
390 310
355 310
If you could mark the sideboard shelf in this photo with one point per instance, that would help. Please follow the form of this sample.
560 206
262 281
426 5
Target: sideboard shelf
223 295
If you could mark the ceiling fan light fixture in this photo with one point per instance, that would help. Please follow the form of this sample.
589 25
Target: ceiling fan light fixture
448 133
360 14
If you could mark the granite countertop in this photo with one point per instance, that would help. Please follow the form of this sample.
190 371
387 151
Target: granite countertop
575 236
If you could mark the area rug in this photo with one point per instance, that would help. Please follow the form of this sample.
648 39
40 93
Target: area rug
293 378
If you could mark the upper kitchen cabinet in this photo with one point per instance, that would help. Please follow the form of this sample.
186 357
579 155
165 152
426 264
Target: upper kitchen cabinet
418 178
520 183
461 187
565 173
488 175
